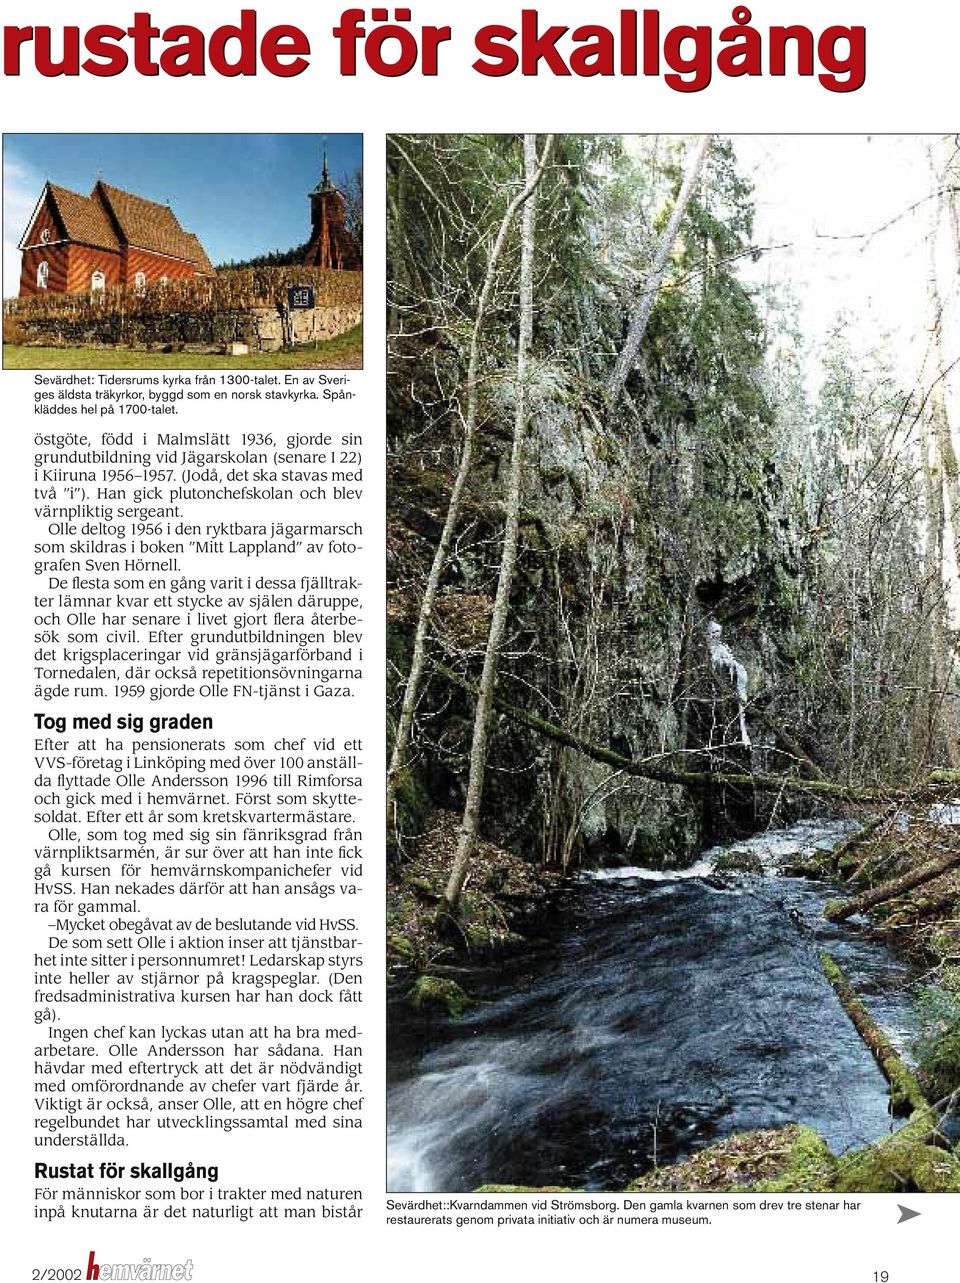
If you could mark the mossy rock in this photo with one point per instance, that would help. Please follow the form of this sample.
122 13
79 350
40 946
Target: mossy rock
435 991
903 1162
478 937
935 1171
400 946
809 868
811 1167
423 888
737 861
897 1169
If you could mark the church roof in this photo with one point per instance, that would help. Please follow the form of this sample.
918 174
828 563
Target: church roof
151 226
324 185
110 217
83 219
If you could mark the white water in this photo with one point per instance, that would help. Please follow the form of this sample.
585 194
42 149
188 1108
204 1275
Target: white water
664 1013
774 847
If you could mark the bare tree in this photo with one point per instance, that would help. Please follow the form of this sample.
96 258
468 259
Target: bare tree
398 758
470 824
942 488
352 193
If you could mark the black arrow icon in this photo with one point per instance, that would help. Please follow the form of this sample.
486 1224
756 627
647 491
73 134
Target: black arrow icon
906 1213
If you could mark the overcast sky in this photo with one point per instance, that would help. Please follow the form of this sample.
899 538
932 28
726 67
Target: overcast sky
831 198
242 194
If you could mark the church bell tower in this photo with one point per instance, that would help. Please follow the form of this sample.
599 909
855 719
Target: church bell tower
331 244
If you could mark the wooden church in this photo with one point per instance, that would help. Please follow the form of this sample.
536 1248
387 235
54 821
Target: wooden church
80 244
331 243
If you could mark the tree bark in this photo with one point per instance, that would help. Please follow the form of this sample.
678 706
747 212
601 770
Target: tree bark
411 694
939 417
951 183
939 482
470 825
654 279
840 910
935 662
905 1093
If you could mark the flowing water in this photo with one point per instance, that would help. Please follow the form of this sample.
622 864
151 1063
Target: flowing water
662 1013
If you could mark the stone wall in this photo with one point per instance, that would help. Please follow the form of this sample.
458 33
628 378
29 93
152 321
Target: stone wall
270 329
201 315
264 329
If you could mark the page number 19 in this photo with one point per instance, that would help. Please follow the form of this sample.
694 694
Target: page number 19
881 1276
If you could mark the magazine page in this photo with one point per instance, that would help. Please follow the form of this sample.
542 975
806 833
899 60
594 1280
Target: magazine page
482 527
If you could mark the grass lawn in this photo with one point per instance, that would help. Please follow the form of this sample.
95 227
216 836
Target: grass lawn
342 353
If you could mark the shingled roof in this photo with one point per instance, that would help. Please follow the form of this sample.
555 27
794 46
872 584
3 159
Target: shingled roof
110 218
151 226
83 218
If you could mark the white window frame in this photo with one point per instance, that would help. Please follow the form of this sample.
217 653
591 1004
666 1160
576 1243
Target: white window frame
45 236
98 281
43 274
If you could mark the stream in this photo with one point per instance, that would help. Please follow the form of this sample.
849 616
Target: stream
660 1013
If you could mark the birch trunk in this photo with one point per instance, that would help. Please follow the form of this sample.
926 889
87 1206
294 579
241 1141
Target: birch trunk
940 422
944 485
470 825
411 694
937 672
651 287
951 183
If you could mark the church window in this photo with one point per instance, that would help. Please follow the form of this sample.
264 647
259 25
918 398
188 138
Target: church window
98 281
43 275
45 236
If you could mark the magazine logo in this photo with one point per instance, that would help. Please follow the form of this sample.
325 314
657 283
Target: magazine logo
145 1271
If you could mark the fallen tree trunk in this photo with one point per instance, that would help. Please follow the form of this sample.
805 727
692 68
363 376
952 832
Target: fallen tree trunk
651 770
839 910
905 1093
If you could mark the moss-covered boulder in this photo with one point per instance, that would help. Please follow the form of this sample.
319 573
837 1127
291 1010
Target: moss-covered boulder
903 1162
439 992
739 861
